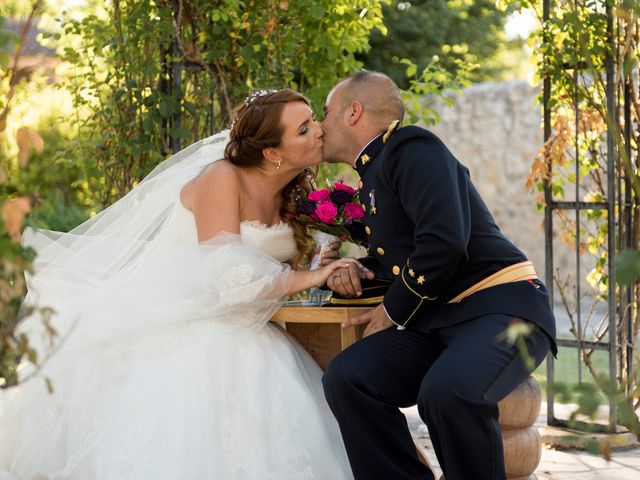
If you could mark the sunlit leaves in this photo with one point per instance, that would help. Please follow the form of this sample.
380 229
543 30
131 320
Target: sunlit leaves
434 81
466 31
134 108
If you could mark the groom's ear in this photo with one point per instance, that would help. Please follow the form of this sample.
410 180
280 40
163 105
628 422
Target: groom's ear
272 155
355 112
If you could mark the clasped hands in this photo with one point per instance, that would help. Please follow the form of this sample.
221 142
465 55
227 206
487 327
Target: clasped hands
346 282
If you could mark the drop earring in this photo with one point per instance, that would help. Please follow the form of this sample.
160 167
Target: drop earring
279 162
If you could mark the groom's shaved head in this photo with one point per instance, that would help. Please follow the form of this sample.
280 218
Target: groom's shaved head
358 109
377 93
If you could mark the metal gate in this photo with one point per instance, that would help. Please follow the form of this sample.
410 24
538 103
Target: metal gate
612 211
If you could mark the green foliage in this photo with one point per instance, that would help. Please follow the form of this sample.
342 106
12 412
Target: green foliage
129 96
15 259
628 267
132 110
52 177
452 31
434 81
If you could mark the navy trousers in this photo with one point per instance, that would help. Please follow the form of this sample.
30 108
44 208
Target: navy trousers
456 375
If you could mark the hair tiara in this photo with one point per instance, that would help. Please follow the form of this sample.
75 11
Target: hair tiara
256 95
248 101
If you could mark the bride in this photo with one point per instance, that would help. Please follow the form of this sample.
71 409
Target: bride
168 366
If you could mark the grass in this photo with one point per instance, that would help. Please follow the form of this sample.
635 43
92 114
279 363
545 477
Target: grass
566 369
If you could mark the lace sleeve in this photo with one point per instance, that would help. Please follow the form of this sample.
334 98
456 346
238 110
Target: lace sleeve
240 284
236 274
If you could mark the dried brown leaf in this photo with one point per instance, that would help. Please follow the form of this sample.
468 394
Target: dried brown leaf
28 139
539 169
13 213
271 26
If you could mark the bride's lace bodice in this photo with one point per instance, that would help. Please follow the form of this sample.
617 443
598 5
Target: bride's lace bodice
277 241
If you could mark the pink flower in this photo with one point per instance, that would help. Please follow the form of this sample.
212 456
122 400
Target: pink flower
345 187
327 212
319 195
353 211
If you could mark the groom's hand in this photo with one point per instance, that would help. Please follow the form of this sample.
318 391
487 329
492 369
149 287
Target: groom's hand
346 281
376 318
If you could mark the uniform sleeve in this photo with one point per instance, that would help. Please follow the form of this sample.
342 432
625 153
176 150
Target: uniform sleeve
373 264
432 188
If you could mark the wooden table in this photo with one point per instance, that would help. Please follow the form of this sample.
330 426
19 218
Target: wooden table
318 329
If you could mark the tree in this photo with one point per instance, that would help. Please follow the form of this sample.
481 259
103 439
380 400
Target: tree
470 31
153 73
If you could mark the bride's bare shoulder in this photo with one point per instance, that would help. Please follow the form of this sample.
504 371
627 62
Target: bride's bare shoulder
220 178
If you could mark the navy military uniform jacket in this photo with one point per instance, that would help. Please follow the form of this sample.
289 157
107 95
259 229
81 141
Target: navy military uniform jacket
431 234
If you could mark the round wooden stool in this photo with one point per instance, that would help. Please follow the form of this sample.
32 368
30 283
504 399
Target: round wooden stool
522 442
521 439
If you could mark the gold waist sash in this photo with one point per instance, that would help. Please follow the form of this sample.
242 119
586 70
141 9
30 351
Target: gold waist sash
512 273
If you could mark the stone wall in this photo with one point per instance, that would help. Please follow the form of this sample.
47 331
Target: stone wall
496 131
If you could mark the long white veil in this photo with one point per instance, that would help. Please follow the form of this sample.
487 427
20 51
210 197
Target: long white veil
122 270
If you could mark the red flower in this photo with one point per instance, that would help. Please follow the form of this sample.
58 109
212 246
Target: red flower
326 212
353 211
345 187
319 195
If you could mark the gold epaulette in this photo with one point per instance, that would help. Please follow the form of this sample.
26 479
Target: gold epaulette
392 128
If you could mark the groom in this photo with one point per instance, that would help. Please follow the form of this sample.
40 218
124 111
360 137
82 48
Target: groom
457 284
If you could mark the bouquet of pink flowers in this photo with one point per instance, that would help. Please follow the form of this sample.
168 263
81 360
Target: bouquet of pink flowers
335 210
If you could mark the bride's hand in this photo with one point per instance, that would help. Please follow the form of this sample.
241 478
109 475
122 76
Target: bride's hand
322 274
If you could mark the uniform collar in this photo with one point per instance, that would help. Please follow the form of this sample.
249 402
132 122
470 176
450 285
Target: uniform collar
374 146
368 153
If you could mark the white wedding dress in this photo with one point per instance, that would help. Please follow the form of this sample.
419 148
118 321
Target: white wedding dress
169 368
